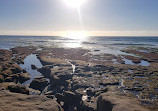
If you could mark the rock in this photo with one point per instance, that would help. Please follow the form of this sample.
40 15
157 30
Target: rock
70 100
45 71
60 80
8 79
69 97
49 93
21 102
104 105
17 88
23 77
33 67
39 83
16 69
1 78
112 102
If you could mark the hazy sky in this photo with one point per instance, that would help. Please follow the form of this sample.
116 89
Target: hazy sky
104 17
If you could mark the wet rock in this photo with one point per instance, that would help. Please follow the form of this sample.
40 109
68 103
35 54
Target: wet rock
17 88
24 77
46 71
33 67
39 83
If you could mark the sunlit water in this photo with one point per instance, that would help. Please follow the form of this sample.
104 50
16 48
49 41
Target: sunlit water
111 45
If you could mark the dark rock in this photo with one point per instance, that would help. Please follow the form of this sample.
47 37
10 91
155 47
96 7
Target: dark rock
69 97
104 105
33 67
16 69
39 83
17 88
60 80
24 77
46 71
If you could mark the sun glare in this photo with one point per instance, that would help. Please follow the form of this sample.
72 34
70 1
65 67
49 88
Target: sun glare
76 35
74 3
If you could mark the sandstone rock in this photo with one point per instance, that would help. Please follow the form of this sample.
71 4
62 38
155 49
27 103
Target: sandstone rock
21 102
113 102
17 88
39 83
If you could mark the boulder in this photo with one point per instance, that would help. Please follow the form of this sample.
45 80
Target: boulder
39 83
23 77
33 67
17 88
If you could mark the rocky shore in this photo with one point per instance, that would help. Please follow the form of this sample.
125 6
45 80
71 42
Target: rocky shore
77 80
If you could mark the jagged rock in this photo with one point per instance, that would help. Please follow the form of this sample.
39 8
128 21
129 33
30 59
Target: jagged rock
39 83
17 88
33 67
24 77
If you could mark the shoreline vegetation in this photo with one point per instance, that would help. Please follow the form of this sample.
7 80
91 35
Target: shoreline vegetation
74 79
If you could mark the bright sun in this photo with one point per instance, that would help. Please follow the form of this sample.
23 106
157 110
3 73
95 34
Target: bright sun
74 3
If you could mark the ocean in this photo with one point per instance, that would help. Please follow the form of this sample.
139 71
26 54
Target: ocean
111 45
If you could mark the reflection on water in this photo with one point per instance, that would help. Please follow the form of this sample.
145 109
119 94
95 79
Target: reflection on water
28 61
72 45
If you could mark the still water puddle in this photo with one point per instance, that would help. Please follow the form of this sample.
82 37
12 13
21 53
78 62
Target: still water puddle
142 63
28 61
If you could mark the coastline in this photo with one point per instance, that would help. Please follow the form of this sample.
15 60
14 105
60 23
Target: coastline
94 81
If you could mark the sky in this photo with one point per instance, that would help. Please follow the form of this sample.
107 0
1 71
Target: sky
93 17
